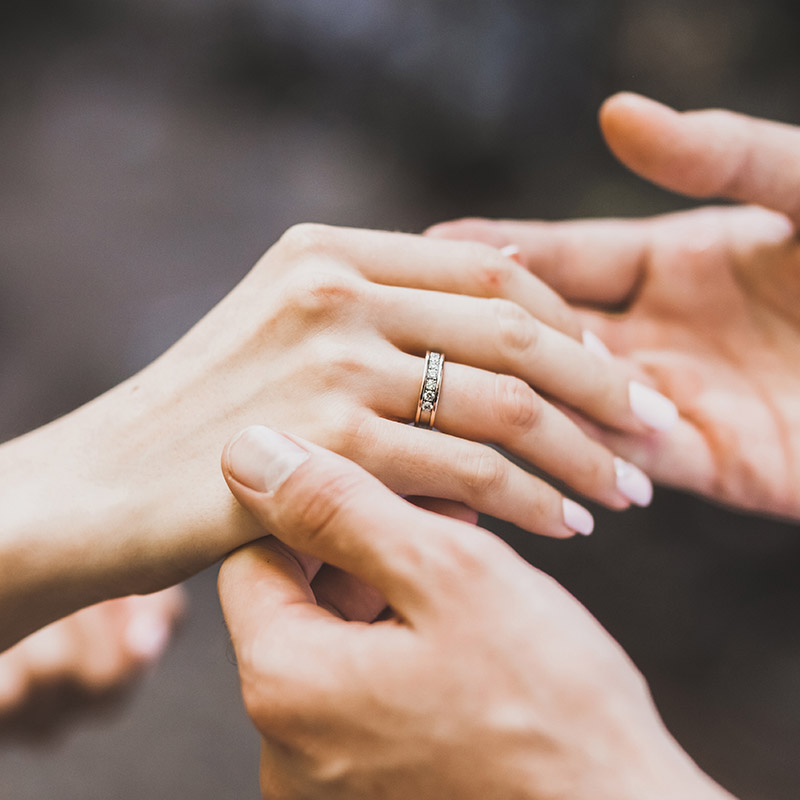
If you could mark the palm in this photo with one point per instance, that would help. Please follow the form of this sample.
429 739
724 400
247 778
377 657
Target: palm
716 320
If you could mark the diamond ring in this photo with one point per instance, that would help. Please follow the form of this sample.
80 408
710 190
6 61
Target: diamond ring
429 390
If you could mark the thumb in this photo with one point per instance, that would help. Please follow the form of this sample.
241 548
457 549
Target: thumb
708 153
323 505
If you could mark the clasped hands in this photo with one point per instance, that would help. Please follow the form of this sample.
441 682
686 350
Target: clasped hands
485 679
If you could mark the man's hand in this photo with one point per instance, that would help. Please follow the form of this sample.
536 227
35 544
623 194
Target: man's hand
486 681
707 301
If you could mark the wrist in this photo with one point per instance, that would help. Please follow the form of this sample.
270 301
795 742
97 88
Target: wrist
112 499
666 771
55 515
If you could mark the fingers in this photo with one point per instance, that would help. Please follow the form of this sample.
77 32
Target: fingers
707 153
664 457
95 650
351 599
345 596
484 407
257 584
321 504
396 259
434 463
598 262
447 508
501 336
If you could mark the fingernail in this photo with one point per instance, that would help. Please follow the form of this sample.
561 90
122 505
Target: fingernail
652 407
147 637
596 345
263 460
577 518
633 483
513 252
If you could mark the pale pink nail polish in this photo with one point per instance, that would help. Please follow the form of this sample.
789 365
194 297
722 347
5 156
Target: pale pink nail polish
577 518
652 407
596 345
633 483
263 460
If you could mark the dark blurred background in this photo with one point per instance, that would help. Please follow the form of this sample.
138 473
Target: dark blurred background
150 150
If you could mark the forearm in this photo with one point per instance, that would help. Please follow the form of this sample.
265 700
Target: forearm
92 508
54 515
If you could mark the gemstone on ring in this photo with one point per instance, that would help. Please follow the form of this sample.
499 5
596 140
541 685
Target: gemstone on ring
429 389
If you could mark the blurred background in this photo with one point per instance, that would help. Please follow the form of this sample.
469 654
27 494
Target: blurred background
151 150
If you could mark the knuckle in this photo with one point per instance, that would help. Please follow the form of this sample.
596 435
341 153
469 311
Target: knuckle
306 237
322 293
546 506
355 435
342 371
484 471
517 405
494 274
596 472
333 495
462 559
517 330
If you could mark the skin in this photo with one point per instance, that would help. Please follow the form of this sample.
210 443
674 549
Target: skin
706 301
487 681
82 661
325 337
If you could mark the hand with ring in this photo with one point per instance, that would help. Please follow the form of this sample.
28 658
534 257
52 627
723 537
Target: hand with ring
707 302
327 337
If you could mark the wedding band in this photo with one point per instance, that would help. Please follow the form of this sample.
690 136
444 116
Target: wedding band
429 390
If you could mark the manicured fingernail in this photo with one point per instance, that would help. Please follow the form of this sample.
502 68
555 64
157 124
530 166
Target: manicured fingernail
633 483
147 637
512 251
577 518
652 407
263 460
595 345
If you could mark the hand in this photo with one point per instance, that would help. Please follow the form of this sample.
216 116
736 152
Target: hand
707 301
326 338
82 662
488 681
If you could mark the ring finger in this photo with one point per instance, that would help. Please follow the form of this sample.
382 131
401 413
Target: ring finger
482 406
501 336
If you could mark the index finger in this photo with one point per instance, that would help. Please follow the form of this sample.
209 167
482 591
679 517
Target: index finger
257 584
710 153
594 261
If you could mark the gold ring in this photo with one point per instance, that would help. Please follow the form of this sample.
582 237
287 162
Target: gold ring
429 390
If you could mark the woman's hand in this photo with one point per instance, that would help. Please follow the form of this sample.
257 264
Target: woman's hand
487 681
707 301
326 337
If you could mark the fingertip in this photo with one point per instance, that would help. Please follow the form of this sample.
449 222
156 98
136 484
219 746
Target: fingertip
473 229
261 459
147 636
633 126
577 518
631 104
438 231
